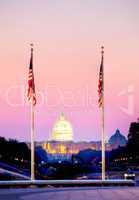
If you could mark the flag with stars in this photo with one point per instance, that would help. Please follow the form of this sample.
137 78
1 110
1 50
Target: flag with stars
31 95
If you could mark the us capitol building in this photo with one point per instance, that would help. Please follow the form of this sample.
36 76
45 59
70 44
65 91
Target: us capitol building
61 142
62 130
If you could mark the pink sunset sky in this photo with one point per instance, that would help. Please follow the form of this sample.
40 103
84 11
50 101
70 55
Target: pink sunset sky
67 37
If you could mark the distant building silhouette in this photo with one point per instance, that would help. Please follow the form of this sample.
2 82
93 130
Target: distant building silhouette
117 140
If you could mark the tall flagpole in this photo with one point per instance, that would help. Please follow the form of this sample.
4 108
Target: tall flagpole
32 144
103 119
32 133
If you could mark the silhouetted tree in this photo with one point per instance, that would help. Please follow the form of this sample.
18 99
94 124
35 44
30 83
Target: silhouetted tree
14 152
133 141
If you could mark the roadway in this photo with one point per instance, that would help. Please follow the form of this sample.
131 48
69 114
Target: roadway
77 193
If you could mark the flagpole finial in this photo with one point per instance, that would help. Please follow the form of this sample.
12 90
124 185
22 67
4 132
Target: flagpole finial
102 50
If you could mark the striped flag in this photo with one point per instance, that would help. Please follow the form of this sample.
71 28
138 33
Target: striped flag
31 95
101 82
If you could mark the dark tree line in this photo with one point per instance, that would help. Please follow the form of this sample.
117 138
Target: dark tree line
14 152
133 140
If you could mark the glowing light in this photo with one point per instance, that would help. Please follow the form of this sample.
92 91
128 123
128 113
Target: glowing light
62 130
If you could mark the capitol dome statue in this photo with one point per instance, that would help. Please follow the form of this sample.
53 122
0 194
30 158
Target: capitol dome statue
62 130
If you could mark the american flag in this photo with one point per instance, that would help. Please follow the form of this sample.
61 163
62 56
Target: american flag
101 82
31 95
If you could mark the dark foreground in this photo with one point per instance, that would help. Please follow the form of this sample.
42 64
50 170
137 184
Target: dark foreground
87 193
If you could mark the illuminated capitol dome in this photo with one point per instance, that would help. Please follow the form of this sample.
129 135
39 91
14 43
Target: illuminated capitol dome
62 130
